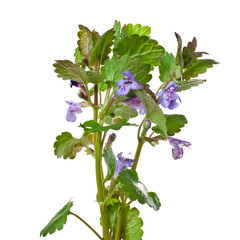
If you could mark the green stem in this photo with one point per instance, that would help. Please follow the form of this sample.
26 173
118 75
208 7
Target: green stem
119 224
86 146
100 187
112 192
137 154
87 225
98 169
139 146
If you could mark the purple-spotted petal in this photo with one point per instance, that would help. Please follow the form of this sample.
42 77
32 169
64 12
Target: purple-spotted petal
168 97
129 75
177 144
119 83
74 108
135 85
124 90
135 103
121 163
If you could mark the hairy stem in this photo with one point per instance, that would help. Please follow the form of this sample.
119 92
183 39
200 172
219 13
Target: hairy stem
93 230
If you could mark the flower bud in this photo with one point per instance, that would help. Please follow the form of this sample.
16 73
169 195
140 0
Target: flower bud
110 140
117 119
147 124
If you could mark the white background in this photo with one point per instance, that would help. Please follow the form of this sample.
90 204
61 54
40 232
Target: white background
199 193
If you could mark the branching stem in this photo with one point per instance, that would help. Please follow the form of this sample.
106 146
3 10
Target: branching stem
92 229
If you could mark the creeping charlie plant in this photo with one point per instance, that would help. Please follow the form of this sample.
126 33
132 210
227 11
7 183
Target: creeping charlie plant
118 89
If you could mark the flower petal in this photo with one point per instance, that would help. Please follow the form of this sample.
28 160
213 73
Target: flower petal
129 75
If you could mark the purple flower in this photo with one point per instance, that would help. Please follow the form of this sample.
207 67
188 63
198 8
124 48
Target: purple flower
177 151
126 85
168 97
121 163
73 109
76 84
135 103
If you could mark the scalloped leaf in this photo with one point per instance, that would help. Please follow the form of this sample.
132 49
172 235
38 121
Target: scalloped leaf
111 162
113 69
179 56
67 146
102 48
166 66
129 29
93 126
117 34
125 112
185 85
87 40
68 70
200 66
174 123
113 212
141 47
78 56
132 225
58 221
153 111
136 190
189 53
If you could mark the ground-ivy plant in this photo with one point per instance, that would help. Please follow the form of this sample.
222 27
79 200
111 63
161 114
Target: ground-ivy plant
113 74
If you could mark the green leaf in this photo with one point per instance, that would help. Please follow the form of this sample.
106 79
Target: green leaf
113 211
87 40
132 224
125 112
136 190
78 56
93 126
117 28
102 48
111 162
67 70
141 47
200 66
113 69
174 124
179 56
166 66
67 146
185 85
153 111
189 54
129 30
58 221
